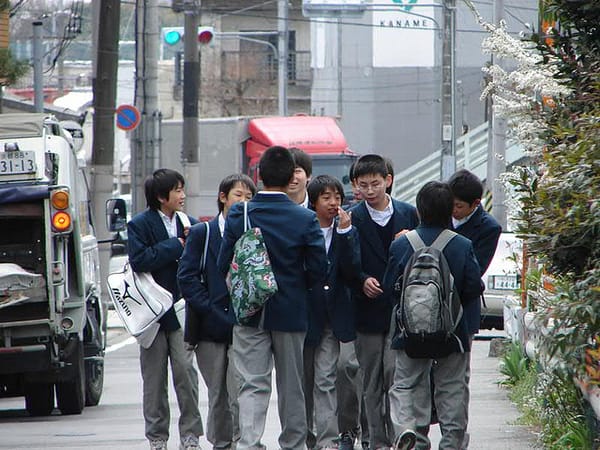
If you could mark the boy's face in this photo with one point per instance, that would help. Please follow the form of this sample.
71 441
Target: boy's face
238 193
327 204
175 202
372 187
298 183
462 209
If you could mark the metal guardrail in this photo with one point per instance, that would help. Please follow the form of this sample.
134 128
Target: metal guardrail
471 153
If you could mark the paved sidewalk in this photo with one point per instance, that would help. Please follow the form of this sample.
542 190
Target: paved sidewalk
492 417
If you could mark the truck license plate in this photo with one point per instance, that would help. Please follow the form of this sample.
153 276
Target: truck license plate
17 162
508 282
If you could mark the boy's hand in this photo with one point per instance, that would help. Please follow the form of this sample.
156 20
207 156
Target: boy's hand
400 233
371 288
186 231
345 218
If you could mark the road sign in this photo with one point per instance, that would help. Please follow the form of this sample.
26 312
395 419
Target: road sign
128 117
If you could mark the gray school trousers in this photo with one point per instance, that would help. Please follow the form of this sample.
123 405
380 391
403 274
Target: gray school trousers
376 361
254 352
218 372
410 397
348 383
169 346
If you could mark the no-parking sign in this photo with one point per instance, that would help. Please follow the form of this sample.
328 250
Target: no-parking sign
128 117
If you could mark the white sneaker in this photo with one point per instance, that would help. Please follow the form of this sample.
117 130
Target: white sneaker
189 443
158 444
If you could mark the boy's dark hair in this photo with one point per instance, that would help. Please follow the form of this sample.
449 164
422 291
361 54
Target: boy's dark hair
435 203
302 160
370 165
229 182
351 172
390 167
466 186
318 185
276 167
159 184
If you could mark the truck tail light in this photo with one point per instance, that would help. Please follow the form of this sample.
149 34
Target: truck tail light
61 218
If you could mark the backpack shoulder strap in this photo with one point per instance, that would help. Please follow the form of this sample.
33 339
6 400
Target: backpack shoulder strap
415 240
442 240
206 238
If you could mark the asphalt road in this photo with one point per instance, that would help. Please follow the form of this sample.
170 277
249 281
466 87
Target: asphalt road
117 422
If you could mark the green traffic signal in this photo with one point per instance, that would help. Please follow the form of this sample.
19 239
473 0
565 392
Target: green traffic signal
172 37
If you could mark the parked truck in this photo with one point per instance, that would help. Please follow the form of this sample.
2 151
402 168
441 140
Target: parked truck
52 319
235 144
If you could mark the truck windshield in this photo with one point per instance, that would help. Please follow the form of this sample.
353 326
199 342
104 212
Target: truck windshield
336 167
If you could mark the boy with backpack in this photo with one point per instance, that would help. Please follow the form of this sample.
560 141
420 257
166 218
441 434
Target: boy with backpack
379 219
275 334
435 273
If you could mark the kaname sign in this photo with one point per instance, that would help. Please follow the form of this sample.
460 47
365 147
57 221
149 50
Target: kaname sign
406 22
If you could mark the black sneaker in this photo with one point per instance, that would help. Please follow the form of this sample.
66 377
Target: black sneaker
406 440
346 441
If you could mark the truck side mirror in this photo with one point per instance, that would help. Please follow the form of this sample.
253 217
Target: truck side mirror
116 214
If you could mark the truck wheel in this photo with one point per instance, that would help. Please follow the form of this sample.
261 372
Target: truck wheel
39 398
70 394
94 381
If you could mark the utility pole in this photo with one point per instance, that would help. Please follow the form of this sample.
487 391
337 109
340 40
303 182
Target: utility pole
496 163
38 70
282 28
145 148
105 93
448 165
191 87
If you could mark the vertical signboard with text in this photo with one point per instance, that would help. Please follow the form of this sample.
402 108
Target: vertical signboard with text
404 33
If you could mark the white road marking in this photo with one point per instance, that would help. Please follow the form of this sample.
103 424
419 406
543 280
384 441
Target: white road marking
130 340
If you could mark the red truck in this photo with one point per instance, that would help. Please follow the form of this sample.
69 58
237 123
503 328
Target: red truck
235 144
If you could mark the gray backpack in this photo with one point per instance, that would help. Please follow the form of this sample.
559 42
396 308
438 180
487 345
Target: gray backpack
429 310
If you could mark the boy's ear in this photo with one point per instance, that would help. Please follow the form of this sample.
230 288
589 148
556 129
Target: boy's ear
388 180
222 197
476 202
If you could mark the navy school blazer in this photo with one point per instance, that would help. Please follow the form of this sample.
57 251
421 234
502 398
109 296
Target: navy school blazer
463 265
296 249
329 301
373 315
150 249
206 293
483 231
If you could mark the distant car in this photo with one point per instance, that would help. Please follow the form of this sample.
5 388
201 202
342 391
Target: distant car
501 280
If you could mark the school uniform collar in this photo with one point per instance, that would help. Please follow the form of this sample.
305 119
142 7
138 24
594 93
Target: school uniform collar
458 223
381 218
169 223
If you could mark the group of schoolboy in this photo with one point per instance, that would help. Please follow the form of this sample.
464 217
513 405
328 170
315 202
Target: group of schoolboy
329 330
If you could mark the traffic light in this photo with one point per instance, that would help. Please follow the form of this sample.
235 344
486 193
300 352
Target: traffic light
205 35
173 36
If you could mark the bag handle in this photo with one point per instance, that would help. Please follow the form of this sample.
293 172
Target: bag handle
185 220
246 218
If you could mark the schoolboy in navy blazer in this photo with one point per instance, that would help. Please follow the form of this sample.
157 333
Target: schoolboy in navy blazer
289 254
472 221
330 301
373 315
276 335
151 248
209 299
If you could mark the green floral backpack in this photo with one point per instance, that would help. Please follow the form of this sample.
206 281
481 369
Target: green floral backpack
251 279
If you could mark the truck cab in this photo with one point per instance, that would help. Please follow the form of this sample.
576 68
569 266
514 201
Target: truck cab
52 319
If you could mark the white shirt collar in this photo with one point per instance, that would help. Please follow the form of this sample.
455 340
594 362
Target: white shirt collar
304 203
381 218
458 223
271 192
170 223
